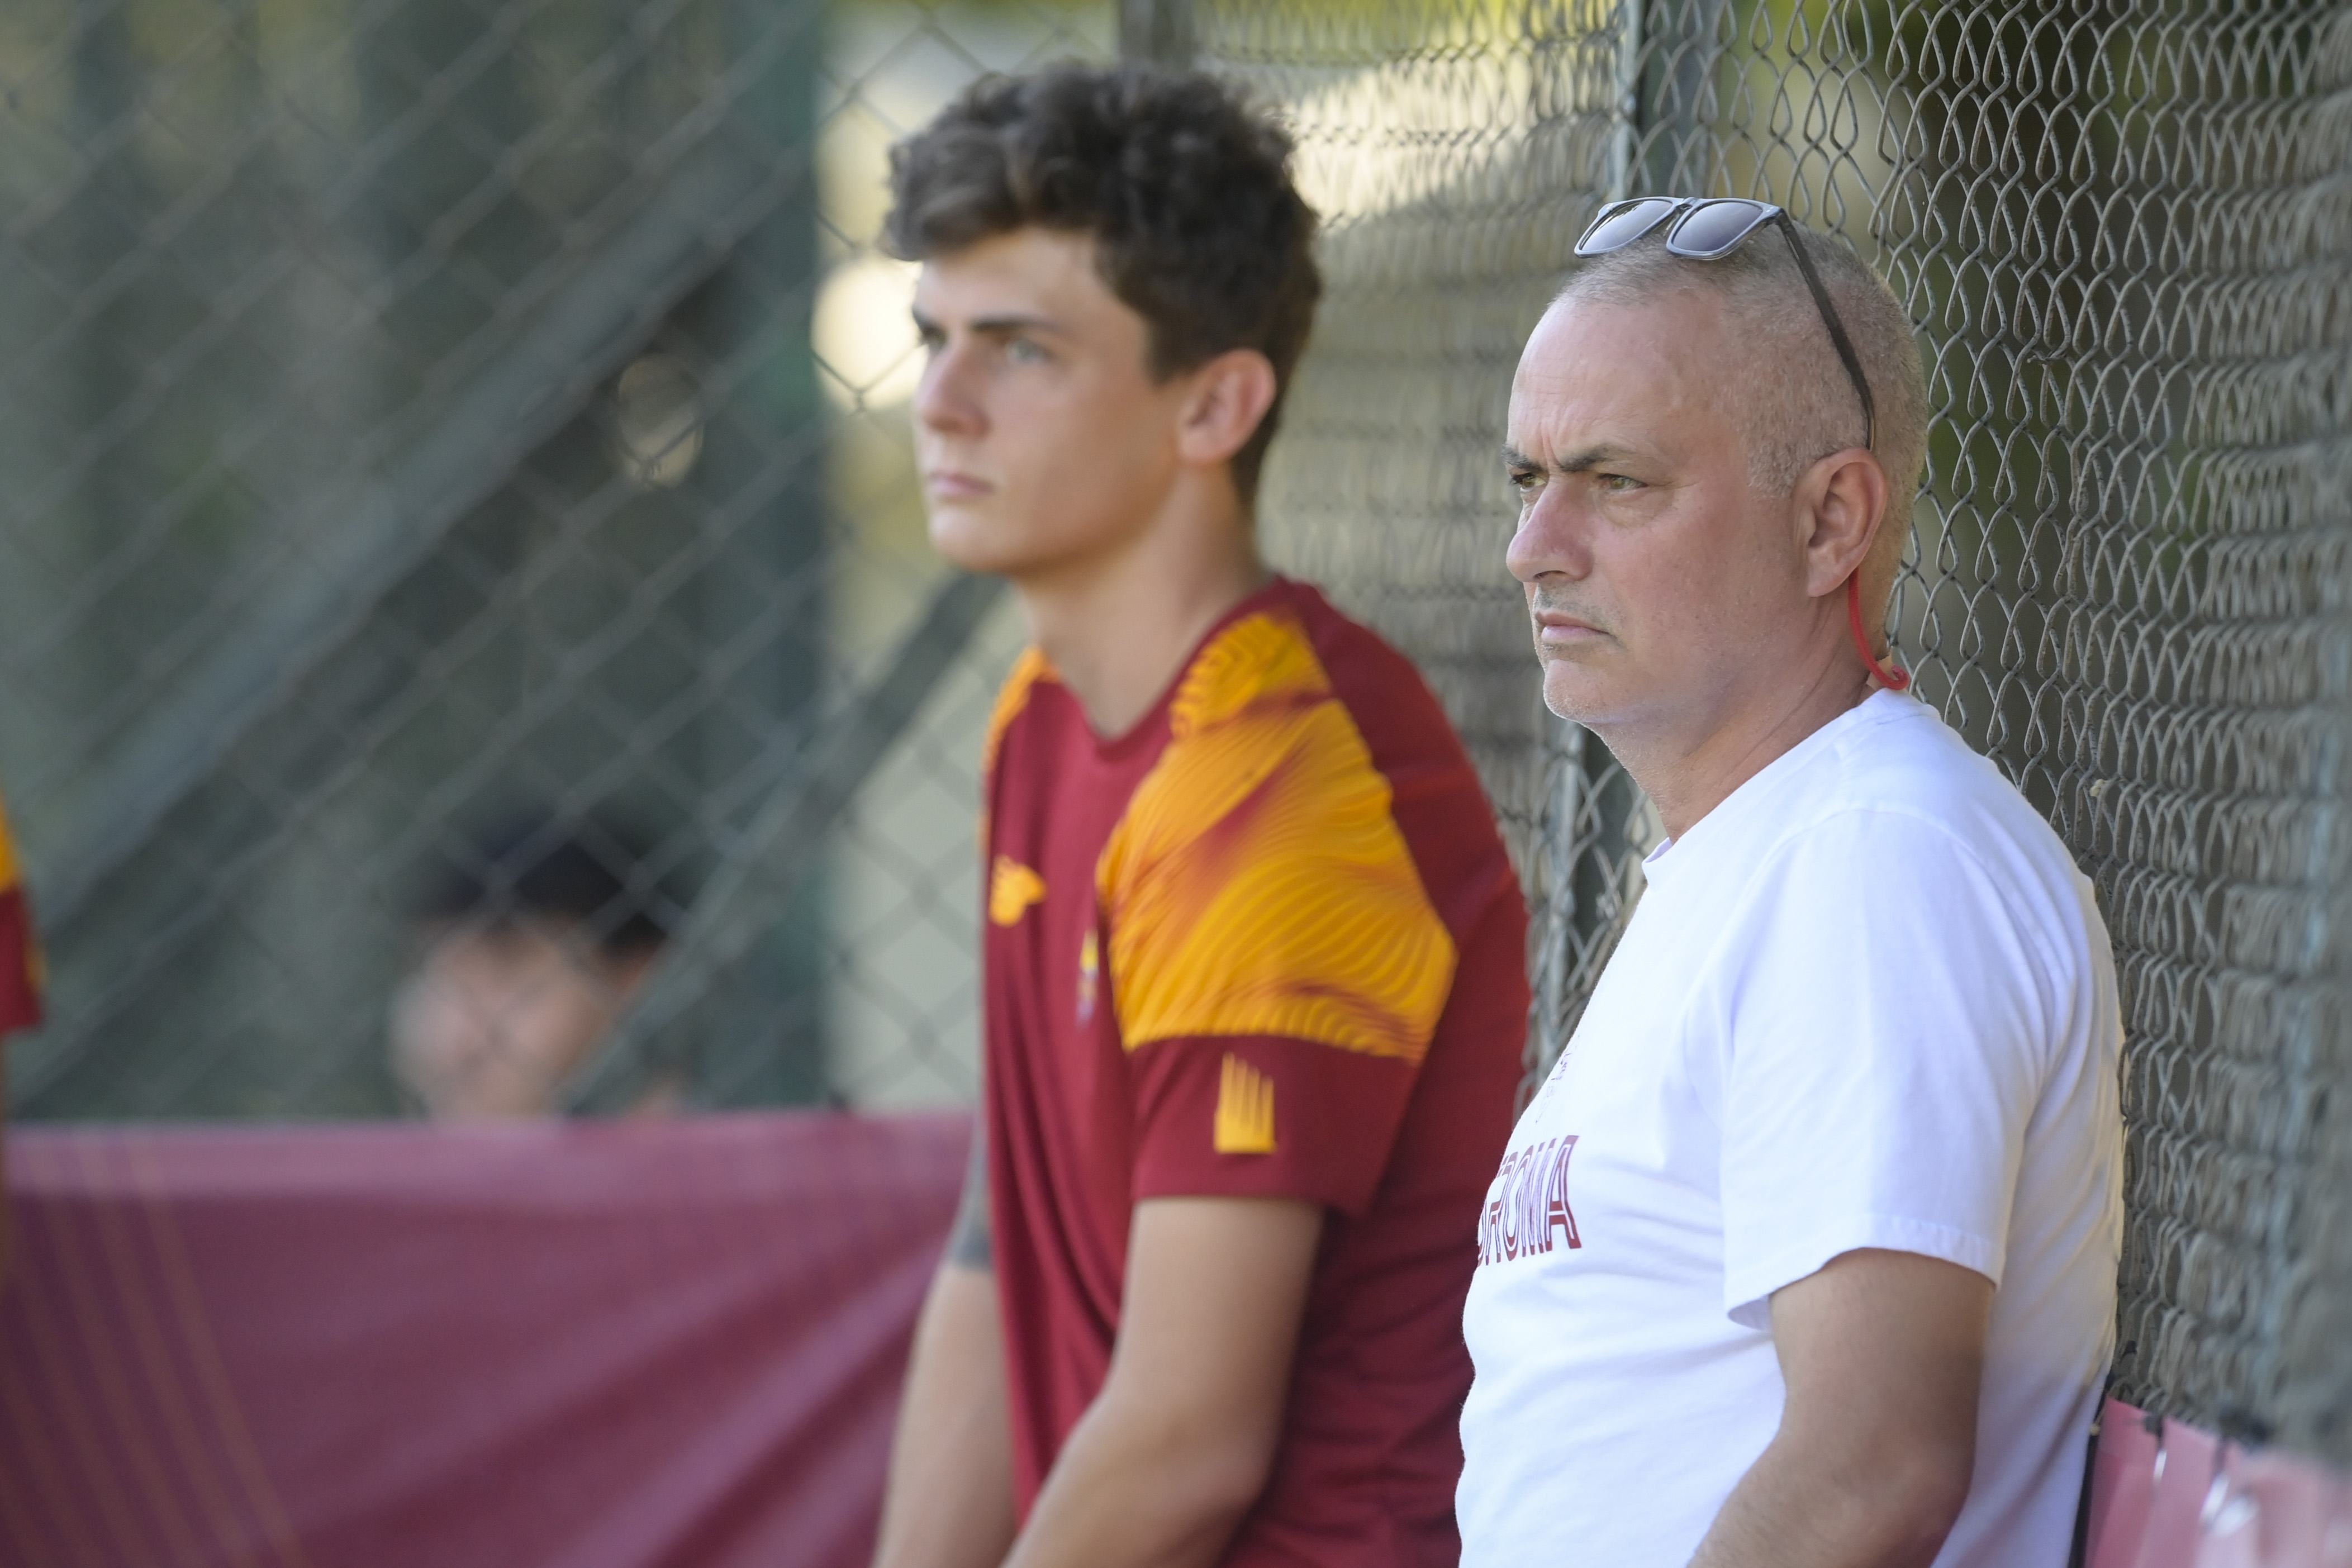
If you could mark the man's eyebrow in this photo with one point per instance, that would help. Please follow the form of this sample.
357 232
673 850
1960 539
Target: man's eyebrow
997 326
1589 457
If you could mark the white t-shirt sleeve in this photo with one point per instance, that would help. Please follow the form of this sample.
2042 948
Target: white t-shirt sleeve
1888 1016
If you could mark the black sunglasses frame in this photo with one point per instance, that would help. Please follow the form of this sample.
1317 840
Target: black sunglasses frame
1682 209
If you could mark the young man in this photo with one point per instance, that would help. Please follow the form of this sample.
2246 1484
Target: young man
1254 954
20 996
1806 1252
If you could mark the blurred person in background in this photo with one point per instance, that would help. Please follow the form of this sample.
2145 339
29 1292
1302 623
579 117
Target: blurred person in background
533 946
1254 973
20 1000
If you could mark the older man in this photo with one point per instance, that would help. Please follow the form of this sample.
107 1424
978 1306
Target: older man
1805 1253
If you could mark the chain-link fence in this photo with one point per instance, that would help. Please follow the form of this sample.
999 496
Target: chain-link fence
2125 233
430 425
417 412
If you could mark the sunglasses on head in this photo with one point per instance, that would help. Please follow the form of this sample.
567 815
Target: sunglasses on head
1706 228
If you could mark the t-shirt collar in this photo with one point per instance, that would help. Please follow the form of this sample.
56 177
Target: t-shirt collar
1756 794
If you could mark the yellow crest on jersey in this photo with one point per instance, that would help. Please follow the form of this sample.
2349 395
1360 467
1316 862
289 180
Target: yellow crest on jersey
1013 887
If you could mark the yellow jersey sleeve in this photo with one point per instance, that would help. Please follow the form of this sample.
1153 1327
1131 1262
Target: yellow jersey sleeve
1258 883
21 970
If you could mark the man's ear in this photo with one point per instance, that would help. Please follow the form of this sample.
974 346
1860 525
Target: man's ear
1228 402
1840 502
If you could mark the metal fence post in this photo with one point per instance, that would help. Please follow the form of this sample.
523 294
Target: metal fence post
1160 31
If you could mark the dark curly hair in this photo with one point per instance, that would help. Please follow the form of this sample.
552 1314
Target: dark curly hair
589 874
1185 189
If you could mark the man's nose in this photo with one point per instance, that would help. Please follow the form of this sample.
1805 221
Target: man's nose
1550 539
944 399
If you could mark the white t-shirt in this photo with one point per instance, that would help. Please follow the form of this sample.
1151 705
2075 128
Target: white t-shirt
1867 1000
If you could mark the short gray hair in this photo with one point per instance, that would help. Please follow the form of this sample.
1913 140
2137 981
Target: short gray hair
1793 398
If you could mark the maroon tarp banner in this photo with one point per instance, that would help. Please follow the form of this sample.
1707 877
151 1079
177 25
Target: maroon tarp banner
650 1344
611 1346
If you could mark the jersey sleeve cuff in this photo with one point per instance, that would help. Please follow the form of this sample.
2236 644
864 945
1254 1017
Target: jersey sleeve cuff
1267 1117
1748 1290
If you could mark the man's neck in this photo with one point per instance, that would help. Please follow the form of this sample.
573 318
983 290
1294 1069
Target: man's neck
1118 627
1689 770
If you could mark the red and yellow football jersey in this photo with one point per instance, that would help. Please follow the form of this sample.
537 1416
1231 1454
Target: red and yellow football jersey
20 959
1266 944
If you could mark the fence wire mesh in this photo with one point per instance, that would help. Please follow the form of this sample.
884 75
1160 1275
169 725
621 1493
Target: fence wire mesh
416 413
425 419
2126 234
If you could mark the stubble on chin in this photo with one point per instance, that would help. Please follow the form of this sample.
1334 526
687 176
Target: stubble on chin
1561 693
1568 674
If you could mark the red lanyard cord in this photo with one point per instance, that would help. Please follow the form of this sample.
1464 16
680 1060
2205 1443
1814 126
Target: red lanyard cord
1895 679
